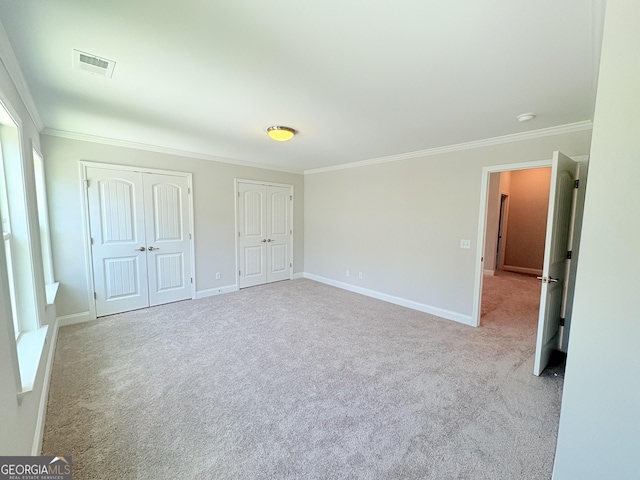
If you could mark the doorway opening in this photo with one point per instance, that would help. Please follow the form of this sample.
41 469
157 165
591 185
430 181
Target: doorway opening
561 231
514 249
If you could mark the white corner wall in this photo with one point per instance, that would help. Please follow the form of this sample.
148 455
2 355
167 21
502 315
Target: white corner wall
400 223
599 434
213 205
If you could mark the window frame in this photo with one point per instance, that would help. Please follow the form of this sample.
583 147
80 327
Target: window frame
43 216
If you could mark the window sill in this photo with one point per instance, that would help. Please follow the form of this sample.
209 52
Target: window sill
30 347
52 292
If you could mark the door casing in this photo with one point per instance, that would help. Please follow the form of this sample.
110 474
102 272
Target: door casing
84 165
237 219
482 224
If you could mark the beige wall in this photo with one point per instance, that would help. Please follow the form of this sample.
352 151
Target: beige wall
527 222
401 223
599 421
214 212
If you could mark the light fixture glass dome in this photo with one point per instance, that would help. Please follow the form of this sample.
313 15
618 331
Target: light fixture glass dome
281 134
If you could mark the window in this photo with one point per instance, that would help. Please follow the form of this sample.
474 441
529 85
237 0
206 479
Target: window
6 234
43 218
24 278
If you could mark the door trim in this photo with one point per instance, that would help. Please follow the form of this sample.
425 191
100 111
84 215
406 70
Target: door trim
236 191
482 227
84 165
482 223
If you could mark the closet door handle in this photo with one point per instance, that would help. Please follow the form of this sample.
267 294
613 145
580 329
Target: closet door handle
269 240
264 240
141 249
151 249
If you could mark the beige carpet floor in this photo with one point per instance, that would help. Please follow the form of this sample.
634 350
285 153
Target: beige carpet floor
299 380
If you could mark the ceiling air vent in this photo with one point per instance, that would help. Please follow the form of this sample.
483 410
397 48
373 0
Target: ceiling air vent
93 64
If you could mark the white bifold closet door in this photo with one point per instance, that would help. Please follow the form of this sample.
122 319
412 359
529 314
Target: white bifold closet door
264 233
140 248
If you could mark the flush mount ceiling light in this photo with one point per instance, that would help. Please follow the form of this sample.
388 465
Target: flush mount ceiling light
525 117
281 134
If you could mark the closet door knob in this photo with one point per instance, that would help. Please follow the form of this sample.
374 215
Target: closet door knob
141 249
151 249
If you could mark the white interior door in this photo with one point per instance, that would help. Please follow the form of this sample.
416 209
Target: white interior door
116 218
252 235
278 233
563 175
264 233
141 248
166 203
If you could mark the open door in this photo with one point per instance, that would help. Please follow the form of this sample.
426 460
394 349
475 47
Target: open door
554 268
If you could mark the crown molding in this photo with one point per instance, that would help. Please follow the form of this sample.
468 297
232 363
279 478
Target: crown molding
515 137
9 60
158 149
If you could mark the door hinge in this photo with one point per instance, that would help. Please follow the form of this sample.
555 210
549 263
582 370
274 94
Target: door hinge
189 191
191 279
290 197
577 183
238 194
561 322
291 232
238 234
291 265
86 183
239 273
95 296
569 253
189 236
91 238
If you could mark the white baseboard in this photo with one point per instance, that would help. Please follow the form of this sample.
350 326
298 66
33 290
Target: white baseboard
530 271
296 276
210 292
437 311
74 318
489 272
44 396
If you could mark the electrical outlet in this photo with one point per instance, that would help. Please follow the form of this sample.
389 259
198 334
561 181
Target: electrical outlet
217 275
346 274
465 243
360 275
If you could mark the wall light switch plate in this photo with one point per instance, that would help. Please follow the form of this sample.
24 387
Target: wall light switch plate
217 275
465 243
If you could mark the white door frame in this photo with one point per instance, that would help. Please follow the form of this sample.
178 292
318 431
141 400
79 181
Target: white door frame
236 192
84 165
482 227
482 221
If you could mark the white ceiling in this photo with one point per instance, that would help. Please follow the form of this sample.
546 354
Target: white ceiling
359 79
